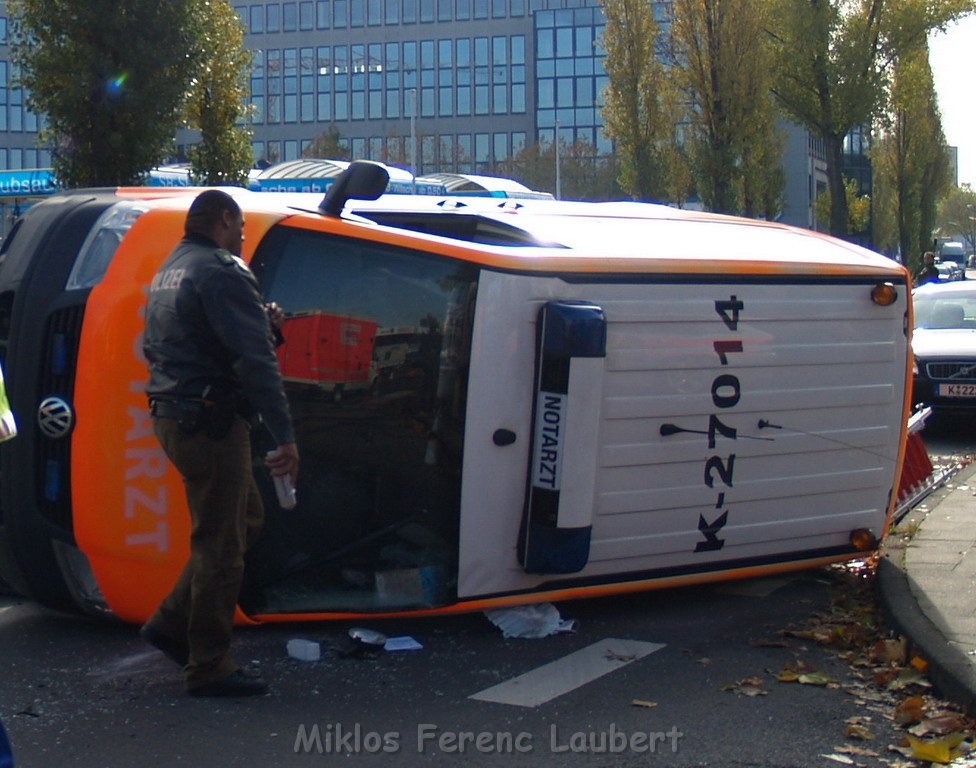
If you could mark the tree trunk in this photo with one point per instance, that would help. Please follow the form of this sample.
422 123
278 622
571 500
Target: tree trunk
839 217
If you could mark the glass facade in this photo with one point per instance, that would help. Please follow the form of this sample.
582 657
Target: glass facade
474 80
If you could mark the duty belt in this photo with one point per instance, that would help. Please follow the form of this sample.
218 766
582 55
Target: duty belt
176 409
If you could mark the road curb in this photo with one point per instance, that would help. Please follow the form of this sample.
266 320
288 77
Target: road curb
951 671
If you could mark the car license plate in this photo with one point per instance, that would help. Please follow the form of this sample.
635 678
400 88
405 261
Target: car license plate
957 390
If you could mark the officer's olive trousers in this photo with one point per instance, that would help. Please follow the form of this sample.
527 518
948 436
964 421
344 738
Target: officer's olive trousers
226 515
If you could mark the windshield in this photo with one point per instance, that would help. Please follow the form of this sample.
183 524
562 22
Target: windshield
945 310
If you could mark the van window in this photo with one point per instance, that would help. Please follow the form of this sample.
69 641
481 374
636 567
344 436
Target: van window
375 364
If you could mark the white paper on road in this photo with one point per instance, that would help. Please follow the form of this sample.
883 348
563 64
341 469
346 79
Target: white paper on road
545 683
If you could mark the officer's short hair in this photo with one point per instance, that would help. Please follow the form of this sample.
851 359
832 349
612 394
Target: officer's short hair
208 209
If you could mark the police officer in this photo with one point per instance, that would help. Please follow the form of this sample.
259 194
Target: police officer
211 361
928 273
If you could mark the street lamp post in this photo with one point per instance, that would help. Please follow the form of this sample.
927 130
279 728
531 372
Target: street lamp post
558 173
413 138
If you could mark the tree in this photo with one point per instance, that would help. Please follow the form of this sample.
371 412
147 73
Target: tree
584 175
218 103
111 77
328 146
911 156
830 61
858 207
634 112
763 177
957 215
721 69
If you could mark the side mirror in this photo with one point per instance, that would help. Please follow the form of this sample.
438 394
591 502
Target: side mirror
362 180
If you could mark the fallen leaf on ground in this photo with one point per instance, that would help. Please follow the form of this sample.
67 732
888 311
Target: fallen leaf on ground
643 703
792 671
749 686
920 664
850 749
910 711
839 759
858 732
907 678
815 678
940 725
891 651
943 750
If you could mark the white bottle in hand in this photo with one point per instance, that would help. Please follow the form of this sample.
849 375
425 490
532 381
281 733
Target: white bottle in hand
287 498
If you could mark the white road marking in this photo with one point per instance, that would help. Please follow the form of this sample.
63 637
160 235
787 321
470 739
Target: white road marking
563 675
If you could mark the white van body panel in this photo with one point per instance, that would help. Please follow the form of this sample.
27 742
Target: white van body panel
815 397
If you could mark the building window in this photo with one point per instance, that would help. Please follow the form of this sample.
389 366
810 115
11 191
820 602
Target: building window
339 14
464 100
427 102
392 104
462 10
518 49
257 19
544 47
499 9
357 13
462 153
322 14
306 15
374 13
289 17
499 101
481 100
341 106
445 105
500 149
545 94
392 12
481 148
409 11
481 9
273 154
518 142
324 106
518 99
426 11
358 105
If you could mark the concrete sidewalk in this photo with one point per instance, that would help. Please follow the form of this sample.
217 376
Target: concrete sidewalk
927 585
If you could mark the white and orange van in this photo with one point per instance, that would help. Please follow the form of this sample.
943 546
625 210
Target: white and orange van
555 400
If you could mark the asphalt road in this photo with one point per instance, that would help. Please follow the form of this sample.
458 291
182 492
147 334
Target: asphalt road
78 691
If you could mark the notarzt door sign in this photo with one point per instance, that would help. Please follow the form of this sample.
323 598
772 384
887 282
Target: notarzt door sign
571 342
548 440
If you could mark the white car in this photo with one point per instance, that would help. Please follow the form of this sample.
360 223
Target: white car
944 343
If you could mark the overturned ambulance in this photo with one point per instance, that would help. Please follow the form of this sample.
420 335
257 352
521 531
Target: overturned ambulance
557 400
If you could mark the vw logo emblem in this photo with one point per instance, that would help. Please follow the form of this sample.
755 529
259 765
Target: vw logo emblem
55 417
